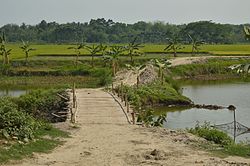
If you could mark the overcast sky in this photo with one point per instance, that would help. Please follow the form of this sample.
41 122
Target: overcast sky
128 11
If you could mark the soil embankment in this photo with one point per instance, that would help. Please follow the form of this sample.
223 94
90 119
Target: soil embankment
105 138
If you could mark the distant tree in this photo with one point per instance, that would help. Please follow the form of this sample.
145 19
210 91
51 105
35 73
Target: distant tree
247 32
94 49
26 49
114 54
195 44
173 45
77 49
3 50
133 49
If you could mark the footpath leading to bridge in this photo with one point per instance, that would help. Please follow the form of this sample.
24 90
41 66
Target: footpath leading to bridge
104 138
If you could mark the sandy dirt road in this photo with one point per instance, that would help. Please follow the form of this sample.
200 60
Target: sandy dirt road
104 138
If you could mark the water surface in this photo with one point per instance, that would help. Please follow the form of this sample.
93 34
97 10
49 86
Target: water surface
237 94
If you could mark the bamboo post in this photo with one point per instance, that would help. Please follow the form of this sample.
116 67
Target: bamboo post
126 99
118 91
234 125
133 117
112 88
137 82
74 95
127 104
122 92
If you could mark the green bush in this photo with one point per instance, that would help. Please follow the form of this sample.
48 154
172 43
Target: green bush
155 94
211 134
42 103
15 123
104 75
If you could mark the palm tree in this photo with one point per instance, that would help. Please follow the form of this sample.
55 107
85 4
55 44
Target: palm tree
247 32
77 49
26 49
93 50
114 54
195 44
173 45
133 49
3 50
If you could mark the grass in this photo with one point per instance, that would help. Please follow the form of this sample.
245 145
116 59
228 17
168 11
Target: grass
34 82
219 142
155 94
19 151
53 49
211 68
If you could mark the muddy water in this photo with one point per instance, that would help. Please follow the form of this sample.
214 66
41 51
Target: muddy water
237 94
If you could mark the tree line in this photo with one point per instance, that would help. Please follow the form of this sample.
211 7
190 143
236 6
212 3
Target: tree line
108 31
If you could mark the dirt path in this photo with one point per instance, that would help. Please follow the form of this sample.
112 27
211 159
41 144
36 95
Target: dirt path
104 138
199 59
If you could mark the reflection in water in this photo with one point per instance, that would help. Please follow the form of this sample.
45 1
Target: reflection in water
14 93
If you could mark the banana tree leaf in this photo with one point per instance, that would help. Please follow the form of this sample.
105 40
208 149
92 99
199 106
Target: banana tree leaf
246 68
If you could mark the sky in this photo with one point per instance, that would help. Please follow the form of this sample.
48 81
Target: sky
127 11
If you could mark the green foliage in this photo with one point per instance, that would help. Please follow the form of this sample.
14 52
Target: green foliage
105 78
173 83
240 149
42 103
155 94
211 134
133 49
26 49
3 50
148 118
15 123
77 50
21 117
94 49
108 31
217 66
195 44
247 32
174 45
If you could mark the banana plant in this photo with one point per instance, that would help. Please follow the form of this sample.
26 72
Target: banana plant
26 49
103 49
240 68
114 54
3 50
94 49
174 45
247 32
133 49
77 50
195 44
163 64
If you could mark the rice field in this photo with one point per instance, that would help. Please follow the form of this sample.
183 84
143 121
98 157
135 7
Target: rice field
61 50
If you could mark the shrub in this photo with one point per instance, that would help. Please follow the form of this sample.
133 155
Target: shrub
42 103
211 134
14 122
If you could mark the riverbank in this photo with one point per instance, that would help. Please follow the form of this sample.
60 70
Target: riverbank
26 123
103 137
